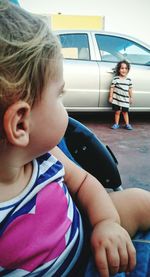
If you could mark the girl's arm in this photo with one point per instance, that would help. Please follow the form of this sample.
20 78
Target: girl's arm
111 91
130 95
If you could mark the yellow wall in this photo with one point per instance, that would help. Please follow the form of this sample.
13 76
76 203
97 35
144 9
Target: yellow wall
78 22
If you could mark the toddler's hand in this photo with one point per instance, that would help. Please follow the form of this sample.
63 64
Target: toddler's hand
113 249
131 100
110 99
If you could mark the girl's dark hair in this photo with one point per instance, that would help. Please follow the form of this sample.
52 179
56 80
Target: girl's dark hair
118 66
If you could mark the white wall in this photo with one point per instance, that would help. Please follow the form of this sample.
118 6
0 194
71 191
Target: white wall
130 17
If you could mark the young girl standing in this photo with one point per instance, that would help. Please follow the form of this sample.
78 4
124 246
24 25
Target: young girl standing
121 94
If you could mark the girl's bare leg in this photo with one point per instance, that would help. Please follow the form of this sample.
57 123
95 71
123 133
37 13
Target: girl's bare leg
126 117
117 117
133 206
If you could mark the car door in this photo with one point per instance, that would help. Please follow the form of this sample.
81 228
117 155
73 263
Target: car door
113 49
81 75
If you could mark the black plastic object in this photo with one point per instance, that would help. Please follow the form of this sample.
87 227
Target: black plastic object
91 154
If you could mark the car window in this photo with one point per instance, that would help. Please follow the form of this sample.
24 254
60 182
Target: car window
114 49
75 46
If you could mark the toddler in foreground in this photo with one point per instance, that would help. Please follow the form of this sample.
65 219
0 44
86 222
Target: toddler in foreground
42 232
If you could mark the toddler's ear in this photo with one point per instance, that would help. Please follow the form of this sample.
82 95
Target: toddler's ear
16 123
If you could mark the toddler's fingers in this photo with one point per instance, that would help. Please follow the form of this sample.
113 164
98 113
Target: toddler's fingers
132 257
101 263
124 259
113 260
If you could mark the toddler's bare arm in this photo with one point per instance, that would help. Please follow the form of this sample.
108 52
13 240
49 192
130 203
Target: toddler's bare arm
111 244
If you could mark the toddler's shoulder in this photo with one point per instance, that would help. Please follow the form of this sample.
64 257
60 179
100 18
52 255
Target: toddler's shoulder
49 163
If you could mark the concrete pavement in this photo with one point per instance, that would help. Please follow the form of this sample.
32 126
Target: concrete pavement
131 148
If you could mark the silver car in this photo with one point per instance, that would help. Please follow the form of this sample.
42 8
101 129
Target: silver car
90 58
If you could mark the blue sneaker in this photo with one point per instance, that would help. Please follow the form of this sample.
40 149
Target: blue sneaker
128 127
115 126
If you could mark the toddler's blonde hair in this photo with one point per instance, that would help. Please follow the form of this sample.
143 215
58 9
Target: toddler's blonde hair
29 55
